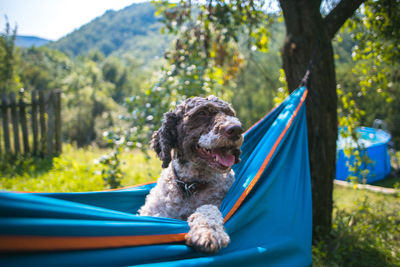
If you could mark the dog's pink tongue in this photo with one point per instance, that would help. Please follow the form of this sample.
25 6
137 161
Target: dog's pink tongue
225 159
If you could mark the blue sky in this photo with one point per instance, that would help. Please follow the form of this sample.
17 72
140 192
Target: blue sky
52 19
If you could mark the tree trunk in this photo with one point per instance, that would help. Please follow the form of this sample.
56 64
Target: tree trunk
306 35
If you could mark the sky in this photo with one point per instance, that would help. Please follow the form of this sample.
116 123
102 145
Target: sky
53 19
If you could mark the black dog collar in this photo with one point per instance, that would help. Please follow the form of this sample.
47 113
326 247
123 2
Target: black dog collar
188 189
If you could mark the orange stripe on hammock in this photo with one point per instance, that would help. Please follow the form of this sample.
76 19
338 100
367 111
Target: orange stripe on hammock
52 243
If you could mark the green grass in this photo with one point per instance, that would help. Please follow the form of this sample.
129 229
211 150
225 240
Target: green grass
365 224
75 170
348 199
365 230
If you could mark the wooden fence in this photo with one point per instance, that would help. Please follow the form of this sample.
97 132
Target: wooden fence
37 122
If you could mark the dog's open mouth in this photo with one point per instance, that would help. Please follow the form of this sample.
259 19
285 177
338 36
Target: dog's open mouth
220 158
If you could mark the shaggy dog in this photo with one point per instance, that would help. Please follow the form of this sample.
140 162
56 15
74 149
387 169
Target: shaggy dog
204 137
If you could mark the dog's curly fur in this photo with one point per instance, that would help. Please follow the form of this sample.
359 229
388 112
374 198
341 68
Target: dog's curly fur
204 137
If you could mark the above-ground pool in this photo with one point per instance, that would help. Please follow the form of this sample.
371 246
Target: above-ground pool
375 141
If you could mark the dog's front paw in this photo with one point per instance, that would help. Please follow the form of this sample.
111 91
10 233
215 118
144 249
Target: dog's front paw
207 240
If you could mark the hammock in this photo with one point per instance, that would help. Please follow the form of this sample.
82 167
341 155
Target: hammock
267 213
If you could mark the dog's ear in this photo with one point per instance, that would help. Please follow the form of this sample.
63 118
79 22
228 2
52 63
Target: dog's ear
166 138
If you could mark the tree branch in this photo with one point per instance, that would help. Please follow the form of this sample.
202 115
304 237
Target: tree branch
338 16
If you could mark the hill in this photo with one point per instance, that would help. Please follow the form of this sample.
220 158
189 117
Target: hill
133 30
28 41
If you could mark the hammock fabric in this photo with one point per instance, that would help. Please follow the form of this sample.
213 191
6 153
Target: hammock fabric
267 213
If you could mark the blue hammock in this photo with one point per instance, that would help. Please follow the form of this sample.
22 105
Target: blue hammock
267 213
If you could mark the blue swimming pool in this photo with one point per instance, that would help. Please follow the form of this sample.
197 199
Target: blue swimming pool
375 143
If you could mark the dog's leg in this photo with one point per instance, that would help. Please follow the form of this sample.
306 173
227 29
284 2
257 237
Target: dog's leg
207 232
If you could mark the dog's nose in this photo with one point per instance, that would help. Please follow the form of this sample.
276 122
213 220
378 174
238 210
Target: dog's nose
233 130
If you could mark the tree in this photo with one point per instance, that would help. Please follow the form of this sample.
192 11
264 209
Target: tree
9 80
307 30
42 68
87 102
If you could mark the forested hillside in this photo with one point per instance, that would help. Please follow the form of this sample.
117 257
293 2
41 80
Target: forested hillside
28 41
133 30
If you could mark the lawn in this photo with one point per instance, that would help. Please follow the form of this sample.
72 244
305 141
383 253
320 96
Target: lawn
75 170
365 224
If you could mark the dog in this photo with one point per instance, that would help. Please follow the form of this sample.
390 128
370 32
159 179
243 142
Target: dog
197 143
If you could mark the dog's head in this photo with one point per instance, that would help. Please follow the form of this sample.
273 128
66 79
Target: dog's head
204 131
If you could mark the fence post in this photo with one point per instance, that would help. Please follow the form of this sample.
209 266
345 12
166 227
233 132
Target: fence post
6 133
58 121
50 122
42 118
14 118
35 130
45 122
24 125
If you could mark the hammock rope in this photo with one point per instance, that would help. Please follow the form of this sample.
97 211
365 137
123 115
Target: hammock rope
314 60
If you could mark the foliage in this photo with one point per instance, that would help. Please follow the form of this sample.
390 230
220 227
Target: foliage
43 68
127 74
206 54
9 79
255 92
255 87
86 101
111 172
376 54
365 231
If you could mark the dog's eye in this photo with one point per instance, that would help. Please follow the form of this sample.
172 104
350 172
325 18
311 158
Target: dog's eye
201 113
